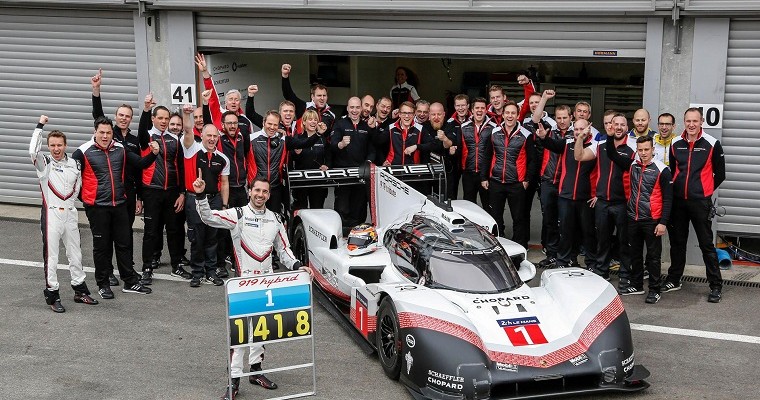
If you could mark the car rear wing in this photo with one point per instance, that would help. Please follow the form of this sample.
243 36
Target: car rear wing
309 178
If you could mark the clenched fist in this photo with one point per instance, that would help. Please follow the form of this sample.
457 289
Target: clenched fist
252 90
285 70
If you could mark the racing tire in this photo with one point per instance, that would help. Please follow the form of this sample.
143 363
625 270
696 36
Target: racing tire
388 340
300 246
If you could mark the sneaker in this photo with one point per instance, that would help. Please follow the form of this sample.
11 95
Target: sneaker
228 260
136 288
84 298
646 274
231 392
714 296
147 277
262 381
105 293
629 290
653 297
543 250
574 264
180 272
670 287
112 280
547 262
222 272
207 280
195 282
155 263
184 261
215 280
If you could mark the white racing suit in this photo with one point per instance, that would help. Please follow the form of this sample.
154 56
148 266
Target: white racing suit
60 182
255 234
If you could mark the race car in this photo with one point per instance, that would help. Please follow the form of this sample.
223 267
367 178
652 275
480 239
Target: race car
445 304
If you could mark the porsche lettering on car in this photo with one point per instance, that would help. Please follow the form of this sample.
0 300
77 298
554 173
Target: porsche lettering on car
445 304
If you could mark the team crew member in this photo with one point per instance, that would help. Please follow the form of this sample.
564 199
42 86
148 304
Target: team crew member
641 127
231 101
269 150
453 132
123 135
471 133
575 192
104 162
421 111
318 99
383 111
163 198
403 90
317 156
649 205
256 233
60 181
204 160
507 160
582 110
498 98
407 141
368 107
352 143
610 198
442 143
666 125
699 168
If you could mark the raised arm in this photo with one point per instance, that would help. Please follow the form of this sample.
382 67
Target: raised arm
288 93
143 162
250 107
187 123
97 104
143 136
38 159
208 84
621 162
545 97
584 153
528 89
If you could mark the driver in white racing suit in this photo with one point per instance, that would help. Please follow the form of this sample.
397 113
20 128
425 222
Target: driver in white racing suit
256 233
60 182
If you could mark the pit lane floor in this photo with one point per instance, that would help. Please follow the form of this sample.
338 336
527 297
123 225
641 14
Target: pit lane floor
171 345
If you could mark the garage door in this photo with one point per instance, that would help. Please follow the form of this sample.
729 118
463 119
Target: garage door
450 34
740 193
48 57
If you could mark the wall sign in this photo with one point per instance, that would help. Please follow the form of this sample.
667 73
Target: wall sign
713 114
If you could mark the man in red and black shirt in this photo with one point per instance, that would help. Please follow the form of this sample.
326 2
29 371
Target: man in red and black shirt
471 134
612 187
499 98
507 160
696 159
318 99
453 131
231 101
163 195
575 192
649 209
104 163
205 159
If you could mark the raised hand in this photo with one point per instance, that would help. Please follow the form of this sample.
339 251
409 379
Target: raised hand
321 127
199 185
252 90
206 95
522 80
200 61
548 94
188 109
371 122
440 135
97 80
149 102
154 147
541 132
285 70
43 119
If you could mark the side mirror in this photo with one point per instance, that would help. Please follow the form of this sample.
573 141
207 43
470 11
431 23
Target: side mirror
526 270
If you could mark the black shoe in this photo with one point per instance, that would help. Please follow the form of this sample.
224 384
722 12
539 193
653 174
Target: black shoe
180 272
113 280
155 263
57 306
228 260
260 379
217 281
147 277
231 392
84 298
547 262
195 282
574 264
105 293
653 297
136 288
629 290
184 261
714 296
222 272
670 287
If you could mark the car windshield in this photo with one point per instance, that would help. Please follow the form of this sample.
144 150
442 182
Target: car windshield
479 271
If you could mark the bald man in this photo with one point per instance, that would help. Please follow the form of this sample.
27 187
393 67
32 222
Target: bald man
641 127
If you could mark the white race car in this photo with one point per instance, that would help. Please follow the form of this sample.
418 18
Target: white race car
445 304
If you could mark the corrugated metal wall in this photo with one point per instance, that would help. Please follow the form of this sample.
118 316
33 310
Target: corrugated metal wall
740 193
48 57
378 33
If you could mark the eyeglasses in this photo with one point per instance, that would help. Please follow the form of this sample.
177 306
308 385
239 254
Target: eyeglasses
665 123
406 113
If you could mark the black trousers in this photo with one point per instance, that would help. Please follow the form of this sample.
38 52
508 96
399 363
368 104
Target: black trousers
351 205
697 212
238 198
576 217
110 231
530 194
203 238
277 199
608 217
550 221
471 188
639 233
309 198
158 209
513 193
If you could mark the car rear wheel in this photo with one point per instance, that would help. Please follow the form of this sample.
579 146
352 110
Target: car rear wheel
387 339
300 247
